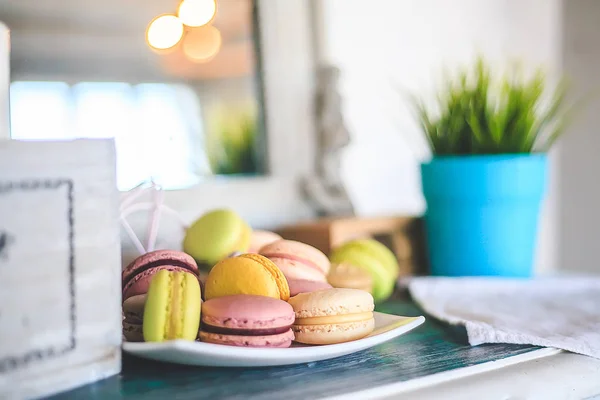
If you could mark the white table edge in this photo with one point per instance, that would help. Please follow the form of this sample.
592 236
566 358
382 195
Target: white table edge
435 379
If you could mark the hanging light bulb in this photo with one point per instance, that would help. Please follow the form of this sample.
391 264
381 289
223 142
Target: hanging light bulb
202 44
196 13
164 32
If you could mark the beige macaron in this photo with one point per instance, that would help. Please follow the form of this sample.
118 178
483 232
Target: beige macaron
349 276
332 316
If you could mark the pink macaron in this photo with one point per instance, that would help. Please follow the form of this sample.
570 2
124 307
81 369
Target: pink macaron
137 275
298 286
247 321
298 260
259 239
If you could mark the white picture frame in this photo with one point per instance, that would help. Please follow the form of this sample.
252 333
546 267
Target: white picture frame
58 217
288 64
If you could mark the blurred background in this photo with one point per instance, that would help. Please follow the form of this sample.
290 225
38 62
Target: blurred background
182 101
183 112
384 45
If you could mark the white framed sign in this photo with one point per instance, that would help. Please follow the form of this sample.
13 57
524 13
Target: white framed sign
60 286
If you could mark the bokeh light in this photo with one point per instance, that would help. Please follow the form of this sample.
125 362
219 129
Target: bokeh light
197 13
164 32
202 44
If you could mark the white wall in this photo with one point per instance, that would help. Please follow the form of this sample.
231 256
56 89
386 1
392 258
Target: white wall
579 157
382 44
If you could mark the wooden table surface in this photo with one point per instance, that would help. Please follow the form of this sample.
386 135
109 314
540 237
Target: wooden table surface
432 348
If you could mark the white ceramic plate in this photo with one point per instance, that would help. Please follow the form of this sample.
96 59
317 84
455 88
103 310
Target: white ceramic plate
387 327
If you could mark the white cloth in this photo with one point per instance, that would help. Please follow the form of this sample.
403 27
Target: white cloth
560 312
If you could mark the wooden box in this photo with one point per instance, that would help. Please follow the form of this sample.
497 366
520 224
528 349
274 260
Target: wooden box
403 235
60 297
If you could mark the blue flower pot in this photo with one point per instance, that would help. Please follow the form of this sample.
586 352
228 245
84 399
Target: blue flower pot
482 213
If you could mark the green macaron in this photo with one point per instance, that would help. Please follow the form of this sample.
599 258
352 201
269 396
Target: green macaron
375 258
216 235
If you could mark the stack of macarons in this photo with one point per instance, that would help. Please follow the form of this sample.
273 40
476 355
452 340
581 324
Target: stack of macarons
247 304
254 288
137 279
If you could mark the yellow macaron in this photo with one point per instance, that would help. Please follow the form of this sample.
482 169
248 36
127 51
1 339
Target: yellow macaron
172 309
332 316
246 274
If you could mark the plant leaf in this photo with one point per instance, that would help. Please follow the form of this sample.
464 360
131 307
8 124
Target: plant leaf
479 114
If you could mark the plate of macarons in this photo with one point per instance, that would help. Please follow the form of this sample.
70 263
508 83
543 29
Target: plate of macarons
241 298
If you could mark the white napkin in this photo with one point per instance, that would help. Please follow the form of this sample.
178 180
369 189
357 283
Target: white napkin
560 312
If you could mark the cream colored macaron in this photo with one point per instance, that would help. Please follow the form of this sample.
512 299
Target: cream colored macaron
332 316
349 276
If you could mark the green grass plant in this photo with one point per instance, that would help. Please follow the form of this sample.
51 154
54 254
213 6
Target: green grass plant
481 113
231 141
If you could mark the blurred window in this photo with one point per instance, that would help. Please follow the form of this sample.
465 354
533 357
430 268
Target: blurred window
152 124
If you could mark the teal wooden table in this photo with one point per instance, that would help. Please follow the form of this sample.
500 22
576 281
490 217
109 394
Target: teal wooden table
432 348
